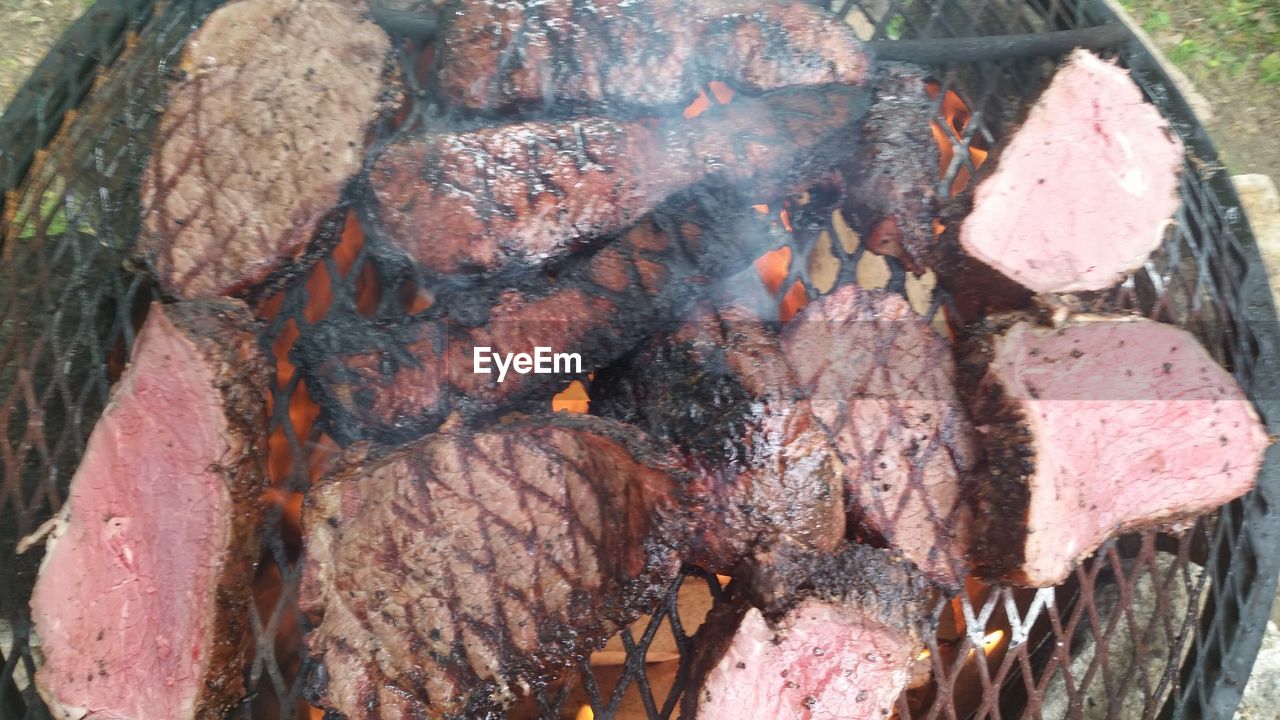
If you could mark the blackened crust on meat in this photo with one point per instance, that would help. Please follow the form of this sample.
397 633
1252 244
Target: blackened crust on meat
508 198
714 637
893 182
566 56
134 573
260 137
977 290
721 391
881 582
396 381
446 578
1004 496
226 333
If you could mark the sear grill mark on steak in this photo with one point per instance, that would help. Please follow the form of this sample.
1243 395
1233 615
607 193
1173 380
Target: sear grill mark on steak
569 55
893 184
515 197
1101 426
141 603
839 638
446 578
391 382
720 390
259 138
882 385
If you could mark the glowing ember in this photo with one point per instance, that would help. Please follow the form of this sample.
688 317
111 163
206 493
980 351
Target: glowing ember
957 116
721 92
773 267
572 399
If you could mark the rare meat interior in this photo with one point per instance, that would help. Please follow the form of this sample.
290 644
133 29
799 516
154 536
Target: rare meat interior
632 358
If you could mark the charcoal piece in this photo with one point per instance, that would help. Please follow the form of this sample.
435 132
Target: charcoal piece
1101 426
141 604
448 577
261 134
563 55
509 198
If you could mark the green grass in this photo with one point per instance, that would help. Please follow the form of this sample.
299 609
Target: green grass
53 208
1214 38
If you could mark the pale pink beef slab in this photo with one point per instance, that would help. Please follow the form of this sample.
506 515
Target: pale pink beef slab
827 636
1103 426
141 599
1084 189
822 661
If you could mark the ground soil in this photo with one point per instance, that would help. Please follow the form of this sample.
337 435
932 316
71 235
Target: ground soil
27 29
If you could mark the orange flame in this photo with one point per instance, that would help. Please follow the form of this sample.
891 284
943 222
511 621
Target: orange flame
585 713
772 268
572 399
990 642
957 117
721 92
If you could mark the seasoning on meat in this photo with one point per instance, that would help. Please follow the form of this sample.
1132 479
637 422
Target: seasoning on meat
883 386
450 576
625 55
141 604
841 643
1084 190
1102 426
720 390
517 196
398 381
258 140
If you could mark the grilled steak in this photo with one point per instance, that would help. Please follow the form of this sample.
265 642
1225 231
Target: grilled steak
882 385
840 645
399 381
635 55
720 389
516 196
447 577
893 183
1102 426
1091 139
258 140
142 597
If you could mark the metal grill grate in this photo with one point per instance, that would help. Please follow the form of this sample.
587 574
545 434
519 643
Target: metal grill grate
1154 626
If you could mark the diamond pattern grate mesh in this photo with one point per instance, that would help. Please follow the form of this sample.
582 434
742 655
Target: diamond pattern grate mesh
1154 626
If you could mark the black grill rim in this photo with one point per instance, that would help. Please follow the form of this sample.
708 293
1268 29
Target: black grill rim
92 43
